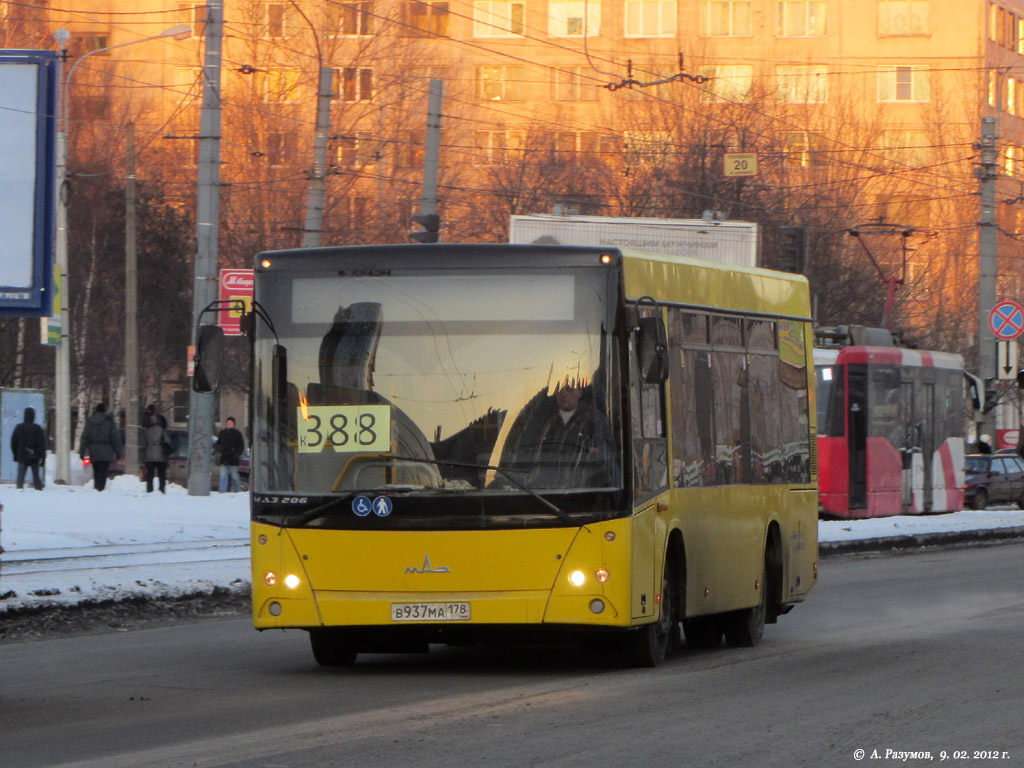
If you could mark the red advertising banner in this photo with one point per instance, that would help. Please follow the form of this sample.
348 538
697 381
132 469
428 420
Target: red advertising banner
235 285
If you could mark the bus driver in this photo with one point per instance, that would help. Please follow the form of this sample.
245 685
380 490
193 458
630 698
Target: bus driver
576 444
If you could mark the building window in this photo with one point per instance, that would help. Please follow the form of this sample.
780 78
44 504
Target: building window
410 149
802 85
651 18
354 84
281 147
574 18
350 19
727 83
194 15
499 84
804 150
800 18
493 146
498 18
188 83
904 211
725 18
84 42
355 149
570 84
278 85
906 149
901 82
275 20
424 19
904 17
649 147
355 212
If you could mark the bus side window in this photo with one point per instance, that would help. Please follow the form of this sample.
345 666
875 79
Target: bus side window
650 449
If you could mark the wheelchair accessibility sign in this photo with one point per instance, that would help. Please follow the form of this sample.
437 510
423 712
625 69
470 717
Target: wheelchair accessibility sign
380 506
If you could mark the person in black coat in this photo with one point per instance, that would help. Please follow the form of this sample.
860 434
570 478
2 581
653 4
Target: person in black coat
28 445
229 448
101 440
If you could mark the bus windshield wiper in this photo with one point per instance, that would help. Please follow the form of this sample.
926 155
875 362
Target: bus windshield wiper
554 508
310 514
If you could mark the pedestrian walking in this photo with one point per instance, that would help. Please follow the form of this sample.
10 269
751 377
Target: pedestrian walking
28 446
156 449
101 441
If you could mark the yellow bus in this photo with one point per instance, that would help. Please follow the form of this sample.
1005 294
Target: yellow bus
477 443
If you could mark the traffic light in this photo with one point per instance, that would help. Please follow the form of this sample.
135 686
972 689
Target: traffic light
431 223
792 246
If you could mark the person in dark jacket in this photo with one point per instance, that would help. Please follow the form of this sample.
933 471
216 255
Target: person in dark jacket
102 442
156 447
28 446
229 447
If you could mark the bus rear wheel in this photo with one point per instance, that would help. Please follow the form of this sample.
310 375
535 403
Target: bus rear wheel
745 628
331 648
650 645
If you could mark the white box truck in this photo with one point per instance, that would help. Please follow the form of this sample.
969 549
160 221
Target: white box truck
729 242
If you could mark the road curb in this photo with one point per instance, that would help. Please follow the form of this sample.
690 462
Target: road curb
921 541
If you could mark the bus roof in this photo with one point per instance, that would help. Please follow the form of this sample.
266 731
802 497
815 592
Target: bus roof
914 358
707 284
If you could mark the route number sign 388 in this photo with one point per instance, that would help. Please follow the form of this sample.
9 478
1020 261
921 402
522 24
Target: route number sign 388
345 428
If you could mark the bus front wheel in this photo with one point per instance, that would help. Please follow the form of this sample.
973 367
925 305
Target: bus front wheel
331 648
649 645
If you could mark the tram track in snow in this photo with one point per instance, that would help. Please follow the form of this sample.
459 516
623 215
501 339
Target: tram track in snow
105 557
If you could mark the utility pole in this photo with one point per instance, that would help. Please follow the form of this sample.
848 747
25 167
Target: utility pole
200 427
131 303
314 225
62 372
428 217
987 262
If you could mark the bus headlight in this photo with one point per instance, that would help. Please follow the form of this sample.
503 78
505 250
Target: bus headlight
291 581
577 578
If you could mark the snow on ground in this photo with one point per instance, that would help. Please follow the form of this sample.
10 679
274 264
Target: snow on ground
68 544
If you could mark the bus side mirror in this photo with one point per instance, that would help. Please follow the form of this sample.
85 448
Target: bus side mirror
208 358
652 350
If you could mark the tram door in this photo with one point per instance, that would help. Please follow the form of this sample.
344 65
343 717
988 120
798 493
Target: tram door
857 420
927 421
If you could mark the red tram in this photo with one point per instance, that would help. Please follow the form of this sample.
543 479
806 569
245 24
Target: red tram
890 431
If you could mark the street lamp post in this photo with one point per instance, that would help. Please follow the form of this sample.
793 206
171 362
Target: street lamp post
62 385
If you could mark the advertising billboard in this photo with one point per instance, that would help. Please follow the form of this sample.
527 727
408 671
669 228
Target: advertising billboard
28 140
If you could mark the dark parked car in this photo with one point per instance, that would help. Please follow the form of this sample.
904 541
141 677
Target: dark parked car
993 478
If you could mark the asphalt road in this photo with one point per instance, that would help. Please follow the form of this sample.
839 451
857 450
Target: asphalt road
891 654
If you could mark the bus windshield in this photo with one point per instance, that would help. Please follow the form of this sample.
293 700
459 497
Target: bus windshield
428 382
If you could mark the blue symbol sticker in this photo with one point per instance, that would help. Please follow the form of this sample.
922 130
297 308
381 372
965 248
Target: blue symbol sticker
361 505
382 506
